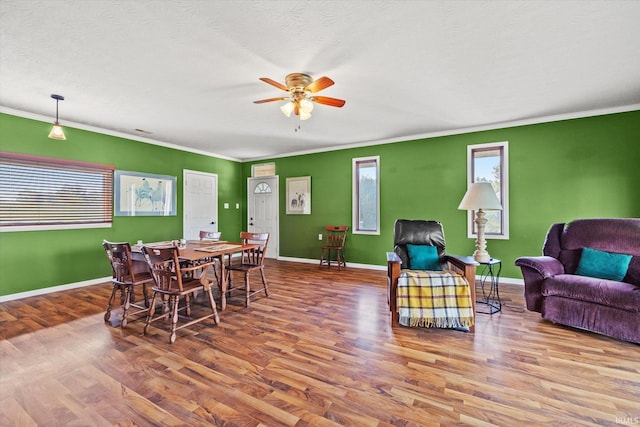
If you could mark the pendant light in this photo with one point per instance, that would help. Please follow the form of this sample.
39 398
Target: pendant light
56 131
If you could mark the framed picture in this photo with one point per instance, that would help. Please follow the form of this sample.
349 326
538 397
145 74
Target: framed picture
143 194
299 195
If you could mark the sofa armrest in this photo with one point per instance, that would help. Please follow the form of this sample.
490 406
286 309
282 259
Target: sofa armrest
534 271
464 265
394 263
545 266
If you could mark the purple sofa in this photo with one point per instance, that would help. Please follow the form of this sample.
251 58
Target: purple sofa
552 287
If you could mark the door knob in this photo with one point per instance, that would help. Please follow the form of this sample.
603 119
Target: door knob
213 222
250 223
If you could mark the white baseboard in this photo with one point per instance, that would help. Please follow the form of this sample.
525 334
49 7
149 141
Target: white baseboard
512 281
43 291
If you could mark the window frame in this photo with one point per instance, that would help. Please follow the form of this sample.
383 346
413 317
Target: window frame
355 211
38 162
503 148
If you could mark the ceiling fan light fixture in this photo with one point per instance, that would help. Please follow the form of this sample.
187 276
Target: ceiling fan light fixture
287 108
304 115
56 131
301 90
306 106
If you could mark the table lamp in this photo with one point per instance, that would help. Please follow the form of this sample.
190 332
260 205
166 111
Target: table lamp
480 197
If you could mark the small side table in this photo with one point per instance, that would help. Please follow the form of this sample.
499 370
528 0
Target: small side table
489 274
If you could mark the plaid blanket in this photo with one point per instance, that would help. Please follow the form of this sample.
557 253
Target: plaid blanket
434 299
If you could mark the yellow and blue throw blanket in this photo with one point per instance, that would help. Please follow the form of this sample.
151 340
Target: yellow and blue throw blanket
434 299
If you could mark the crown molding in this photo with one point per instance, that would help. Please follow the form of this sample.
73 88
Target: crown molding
459 131
96 129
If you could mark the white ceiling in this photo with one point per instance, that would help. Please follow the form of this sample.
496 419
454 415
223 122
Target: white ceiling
187 71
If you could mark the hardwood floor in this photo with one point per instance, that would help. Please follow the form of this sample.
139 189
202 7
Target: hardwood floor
318 351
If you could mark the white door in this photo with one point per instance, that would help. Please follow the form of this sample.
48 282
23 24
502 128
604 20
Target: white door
262 210
200 204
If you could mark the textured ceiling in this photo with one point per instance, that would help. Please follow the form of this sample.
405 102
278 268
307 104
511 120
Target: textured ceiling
187 71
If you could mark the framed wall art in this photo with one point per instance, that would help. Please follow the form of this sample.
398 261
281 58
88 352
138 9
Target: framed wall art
299 195
143 194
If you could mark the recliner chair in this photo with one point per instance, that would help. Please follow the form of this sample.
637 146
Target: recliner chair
410 238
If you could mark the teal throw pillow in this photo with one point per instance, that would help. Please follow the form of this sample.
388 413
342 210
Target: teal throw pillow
423 257
603 265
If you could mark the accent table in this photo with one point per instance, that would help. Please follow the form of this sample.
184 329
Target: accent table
489 275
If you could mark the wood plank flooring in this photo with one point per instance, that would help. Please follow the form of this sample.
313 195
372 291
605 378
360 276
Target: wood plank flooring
319 351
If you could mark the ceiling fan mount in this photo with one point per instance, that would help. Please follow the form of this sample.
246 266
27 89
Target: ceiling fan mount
298 81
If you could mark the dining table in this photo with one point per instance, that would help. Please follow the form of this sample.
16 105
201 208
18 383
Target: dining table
198 251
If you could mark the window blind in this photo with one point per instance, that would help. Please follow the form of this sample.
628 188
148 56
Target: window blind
53 193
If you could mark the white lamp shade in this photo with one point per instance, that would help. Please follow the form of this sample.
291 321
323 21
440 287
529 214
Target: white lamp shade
480 195
306 106
287 108
304 115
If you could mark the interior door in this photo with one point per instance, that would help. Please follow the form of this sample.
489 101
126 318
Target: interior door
262 210
200 204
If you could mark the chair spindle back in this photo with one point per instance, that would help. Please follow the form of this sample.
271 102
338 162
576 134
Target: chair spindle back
164 266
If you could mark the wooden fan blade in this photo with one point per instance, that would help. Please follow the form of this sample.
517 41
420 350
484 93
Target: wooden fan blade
274 83
262 101
333 102
318 85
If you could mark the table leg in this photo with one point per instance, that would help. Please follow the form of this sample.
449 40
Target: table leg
490 299
223 285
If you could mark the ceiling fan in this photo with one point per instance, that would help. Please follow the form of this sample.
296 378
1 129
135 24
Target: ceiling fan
301 88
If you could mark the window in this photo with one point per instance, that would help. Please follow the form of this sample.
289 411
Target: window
490 163
262 188
37 193
264 169
366 195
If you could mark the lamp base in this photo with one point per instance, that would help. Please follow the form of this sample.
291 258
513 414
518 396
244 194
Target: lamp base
481 256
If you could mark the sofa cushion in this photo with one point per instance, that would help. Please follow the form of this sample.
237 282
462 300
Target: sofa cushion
599 291
603 265
423 257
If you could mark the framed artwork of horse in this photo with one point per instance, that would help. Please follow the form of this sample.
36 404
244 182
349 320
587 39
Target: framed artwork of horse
299 195
143 194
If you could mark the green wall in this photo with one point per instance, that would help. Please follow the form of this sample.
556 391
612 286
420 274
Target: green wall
558 171
38 259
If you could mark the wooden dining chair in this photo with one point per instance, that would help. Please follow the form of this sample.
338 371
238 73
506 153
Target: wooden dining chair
173 282
251 260
126 280
335 236
212 236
